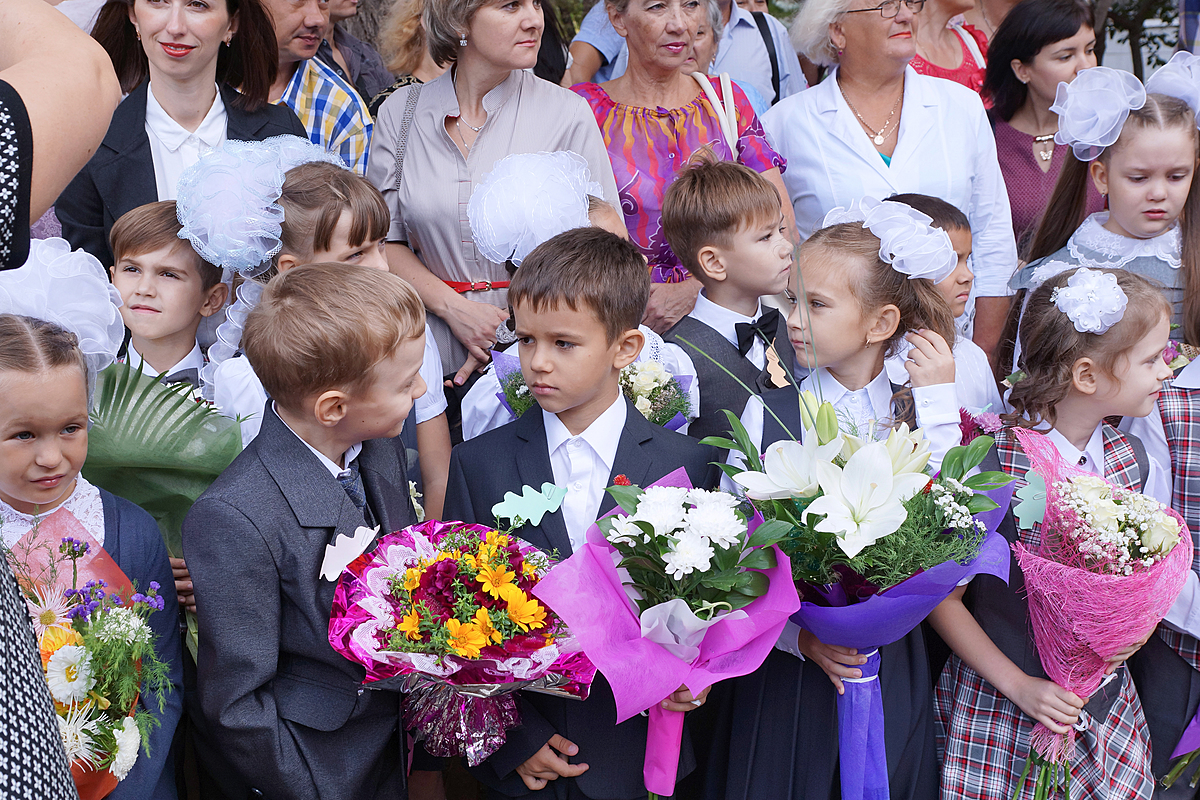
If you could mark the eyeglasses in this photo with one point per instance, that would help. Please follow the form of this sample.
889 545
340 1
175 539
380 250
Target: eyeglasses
890 8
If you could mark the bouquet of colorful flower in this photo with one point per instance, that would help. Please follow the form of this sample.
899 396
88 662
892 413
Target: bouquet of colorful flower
444 612
678 588
97 653
875 545
1108 567
661 397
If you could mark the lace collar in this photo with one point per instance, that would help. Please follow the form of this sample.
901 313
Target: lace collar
84 503
1095 246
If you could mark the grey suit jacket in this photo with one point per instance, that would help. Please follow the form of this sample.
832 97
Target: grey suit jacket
504 460
285 713
120 175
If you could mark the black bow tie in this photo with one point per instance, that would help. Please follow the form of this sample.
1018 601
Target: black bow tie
766 327
190 375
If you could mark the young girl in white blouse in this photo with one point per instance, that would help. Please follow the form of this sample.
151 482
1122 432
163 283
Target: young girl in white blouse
862 288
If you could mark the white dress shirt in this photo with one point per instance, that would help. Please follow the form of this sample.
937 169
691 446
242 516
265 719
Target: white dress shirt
724 321
335 470
945 149
174 148
193 360
582 464
973 381
1184 615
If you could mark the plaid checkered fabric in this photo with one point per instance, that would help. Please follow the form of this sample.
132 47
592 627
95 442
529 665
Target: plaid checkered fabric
983 738
331 111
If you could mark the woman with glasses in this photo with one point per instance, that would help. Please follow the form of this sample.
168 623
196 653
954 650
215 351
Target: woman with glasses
875 127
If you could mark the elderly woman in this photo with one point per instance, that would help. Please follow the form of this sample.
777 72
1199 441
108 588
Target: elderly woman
653 118
875 128
1040 44
434 142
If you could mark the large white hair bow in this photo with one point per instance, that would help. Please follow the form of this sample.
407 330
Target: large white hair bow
1092 109
907 240
526 199
1179 78
1092 300
228 201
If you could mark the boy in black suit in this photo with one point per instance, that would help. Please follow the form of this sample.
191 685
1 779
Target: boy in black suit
339 349
577 300
726 224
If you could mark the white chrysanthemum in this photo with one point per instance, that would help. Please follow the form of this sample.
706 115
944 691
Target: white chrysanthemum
717 524
69 674
690 553
662 507
78 734
129 741
48 609
624 531
123 625
702 498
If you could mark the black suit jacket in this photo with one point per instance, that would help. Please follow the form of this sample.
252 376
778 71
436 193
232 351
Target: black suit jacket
120 175
516 455
285 713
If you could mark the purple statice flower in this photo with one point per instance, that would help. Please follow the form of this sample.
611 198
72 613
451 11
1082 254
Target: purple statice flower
73 548
154 586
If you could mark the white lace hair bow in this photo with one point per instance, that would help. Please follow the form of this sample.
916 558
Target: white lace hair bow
1092 109
1092 300
228 201
70 289
907 240
526 199
1179 78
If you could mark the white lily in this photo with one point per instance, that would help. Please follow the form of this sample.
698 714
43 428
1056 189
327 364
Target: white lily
863 502
908 450
789 469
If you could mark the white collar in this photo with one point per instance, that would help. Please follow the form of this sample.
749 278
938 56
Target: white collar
173 135
1112 250
737 16
827 389
193 360
603 435
333 468
722 320
1094 450
1189 376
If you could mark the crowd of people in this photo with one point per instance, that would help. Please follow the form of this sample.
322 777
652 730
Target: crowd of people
925 212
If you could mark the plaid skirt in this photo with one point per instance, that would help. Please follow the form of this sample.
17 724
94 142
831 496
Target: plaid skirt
983 740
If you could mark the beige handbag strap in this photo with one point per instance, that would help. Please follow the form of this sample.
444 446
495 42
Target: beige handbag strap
726 111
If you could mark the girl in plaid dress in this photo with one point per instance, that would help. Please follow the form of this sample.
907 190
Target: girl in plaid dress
994 690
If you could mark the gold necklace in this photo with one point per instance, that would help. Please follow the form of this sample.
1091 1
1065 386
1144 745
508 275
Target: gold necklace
1045 155
880 136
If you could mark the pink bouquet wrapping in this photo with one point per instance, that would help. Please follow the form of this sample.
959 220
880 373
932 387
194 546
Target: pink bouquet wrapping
1108 568
641 633
443 611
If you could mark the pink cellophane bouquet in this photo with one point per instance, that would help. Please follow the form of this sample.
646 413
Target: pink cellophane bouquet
444 612
1108 568
676 589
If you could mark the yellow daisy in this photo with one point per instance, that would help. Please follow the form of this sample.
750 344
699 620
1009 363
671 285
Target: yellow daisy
466 640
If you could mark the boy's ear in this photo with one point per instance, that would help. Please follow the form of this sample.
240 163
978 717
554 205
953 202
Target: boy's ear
215 300
287 261
330 407
709 259
886 320
1083 376
1099 173
629 345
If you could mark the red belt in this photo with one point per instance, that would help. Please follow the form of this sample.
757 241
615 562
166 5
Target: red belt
462 287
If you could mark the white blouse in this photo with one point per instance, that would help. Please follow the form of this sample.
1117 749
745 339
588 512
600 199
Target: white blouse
173 148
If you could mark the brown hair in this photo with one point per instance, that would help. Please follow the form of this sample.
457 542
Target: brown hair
152 227
402 38
1067 207
709 202
33 345
249 64
445 22
586 268
1050 345
326 326
944 215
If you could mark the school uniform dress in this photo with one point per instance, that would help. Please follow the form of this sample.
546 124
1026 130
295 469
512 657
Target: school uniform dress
982 736
132 538
537 449
755 349
1165 670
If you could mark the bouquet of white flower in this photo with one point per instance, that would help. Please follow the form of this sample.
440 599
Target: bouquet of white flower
1123 530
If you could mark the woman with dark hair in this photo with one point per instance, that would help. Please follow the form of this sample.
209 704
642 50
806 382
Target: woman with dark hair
1040 44
198 73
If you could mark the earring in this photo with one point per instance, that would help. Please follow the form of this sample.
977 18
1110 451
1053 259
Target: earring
138 34
868 344
462 40
228 40
840 52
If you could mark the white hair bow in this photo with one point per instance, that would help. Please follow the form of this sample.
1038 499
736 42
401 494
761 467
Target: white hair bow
907 240
1092 300
1093 108
1179 78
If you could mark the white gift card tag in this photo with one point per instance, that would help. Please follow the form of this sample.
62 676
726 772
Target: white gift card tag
344 550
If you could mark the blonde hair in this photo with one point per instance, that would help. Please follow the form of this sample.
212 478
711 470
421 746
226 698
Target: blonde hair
809 31
326 326
402 38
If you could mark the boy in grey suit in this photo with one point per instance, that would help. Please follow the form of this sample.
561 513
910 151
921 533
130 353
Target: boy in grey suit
339 350
577 300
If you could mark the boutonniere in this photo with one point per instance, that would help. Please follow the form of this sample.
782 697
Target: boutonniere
530 505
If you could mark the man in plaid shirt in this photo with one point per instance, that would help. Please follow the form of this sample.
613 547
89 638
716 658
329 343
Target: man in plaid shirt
329 108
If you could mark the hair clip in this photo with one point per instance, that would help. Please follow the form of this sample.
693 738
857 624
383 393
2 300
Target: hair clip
1093 108
1179 78
1092 300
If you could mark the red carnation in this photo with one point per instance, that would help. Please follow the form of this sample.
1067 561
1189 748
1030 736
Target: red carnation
621 480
